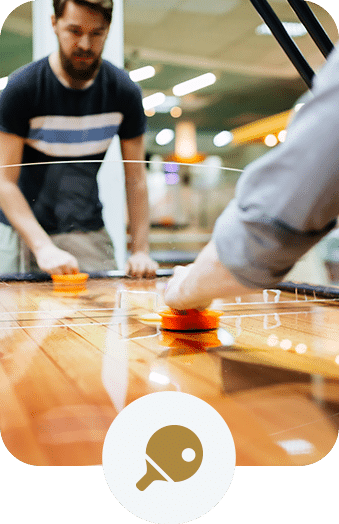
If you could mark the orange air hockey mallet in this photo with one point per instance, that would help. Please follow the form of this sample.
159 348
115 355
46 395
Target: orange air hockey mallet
189 320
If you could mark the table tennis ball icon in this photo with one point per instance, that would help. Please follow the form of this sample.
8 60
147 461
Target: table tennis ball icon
176 451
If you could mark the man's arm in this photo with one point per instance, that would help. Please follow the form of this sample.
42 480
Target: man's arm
18 212
285 202
139 264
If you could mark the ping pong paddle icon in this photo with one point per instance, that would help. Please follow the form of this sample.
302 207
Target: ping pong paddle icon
176 451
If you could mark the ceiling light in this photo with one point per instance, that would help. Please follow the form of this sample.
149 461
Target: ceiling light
222 139
153 100
194 84
176 112
3 82
149 112
282 135
185 140
271 140
142 73
164 137
294 29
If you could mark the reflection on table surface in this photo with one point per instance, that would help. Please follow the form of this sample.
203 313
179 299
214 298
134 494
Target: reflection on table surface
71 361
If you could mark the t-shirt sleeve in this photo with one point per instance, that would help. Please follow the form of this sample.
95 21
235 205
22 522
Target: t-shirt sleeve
14 108
134 121
287 200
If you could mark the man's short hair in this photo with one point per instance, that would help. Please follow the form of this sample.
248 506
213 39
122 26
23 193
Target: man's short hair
105 7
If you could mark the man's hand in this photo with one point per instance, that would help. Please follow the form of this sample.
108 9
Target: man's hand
196 285
141 265
56 261
176 292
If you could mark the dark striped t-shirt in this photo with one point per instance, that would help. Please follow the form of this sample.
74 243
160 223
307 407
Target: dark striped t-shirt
60 123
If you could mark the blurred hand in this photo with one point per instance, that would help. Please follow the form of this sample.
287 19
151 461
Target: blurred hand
141 265
55 261
195 286
177 294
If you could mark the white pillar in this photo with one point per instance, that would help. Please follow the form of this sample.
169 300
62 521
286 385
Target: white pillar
111 173
44 39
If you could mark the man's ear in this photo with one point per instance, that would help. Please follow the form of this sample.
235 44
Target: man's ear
54 21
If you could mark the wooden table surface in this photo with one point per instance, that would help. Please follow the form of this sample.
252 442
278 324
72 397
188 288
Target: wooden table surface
70 362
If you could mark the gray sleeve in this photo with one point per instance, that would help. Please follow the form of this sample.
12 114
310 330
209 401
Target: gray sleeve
288 199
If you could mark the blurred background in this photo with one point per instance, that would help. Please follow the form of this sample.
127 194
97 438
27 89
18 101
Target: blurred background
200 135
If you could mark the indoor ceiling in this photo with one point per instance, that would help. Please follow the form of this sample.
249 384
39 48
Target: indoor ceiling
183 39
186 38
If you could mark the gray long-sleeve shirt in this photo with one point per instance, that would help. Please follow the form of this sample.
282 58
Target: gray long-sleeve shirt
287 200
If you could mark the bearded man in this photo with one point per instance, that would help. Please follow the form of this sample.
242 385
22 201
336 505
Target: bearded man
66 108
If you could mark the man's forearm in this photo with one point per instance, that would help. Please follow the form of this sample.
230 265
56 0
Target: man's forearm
12 201
136 192
137 206
21 217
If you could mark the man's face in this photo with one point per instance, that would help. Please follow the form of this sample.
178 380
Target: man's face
81 33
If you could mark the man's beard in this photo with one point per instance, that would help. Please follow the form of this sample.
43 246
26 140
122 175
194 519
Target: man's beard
79 74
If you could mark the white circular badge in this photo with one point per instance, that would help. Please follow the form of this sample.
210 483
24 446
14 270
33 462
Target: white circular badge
169 457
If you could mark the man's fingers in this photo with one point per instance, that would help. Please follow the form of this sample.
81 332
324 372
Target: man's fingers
151 269
56 261
141 265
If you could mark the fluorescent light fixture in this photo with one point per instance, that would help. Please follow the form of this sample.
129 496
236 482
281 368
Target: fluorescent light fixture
3 82
142 73
222 139
194 84
165 136
294 29
271 140
153 100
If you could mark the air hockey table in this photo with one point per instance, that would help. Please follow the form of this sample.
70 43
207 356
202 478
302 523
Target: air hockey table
71 360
